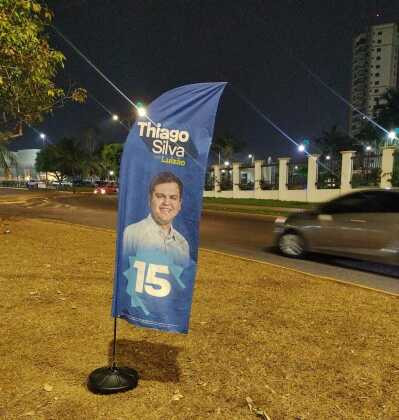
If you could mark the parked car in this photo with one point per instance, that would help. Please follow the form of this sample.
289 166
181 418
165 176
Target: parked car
65 183
35 184
106 188
83 183
363 225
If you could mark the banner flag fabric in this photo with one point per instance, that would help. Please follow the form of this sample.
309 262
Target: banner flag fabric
160 200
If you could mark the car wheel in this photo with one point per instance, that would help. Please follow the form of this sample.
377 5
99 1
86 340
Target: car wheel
292 245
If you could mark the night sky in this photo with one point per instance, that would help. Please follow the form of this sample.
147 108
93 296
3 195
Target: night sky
149 46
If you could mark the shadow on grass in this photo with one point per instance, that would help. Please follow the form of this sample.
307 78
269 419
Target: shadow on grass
153 361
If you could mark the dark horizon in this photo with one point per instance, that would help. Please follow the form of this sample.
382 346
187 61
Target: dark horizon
155 46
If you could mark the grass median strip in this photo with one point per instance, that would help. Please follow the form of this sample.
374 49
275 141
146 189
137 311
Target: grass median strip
256 206
298 347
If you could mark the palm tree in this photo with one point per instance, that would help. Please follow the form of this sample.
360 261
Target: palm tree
332 141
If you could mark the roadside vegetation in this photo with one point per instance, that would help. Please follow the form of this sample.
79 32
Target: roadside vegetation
298 346
254 206
260 202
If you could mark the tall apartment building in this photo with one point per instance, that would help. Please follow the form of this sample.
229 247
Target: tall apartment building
374 70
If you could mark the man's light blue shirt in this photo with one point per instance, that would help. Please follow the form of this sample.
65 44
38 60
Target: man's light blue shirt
147 236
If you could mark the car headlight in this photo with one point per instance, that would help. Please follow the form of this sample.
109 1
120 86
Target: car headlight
102 191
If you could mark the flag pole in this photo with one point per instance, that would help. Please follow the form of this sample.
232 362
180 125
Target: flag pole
112 379
114 346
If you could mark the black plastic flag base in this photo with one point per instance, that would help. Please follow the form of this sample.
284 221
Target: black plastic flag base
110 380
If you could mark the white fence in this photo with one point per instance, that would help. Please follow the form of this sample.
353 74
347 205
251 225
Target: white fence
259 182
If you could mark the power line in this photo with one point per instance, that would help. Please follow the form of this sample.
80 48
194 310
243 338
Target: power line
91 64
107 110
315 76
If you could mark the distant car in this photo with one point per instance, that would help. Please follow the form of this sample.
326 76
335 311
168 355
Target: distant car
65 183
362 225
83 183
107 188
35 184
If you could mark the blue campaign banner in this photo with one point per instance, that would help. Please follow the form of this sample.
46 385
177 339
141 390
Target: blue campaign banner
160 200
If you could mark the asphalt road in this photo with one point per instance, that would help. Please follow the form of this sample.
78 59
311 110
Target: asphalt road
244 235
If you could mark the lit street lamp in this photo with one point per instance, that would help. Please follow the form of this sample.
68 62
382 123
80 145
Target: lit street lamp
141 111
368 148
328 157
252 157
115 117
301 148
43 137
226 163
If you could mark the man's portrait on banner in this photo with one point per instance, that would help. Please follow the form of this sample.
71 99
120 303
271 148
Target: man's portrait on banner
156 233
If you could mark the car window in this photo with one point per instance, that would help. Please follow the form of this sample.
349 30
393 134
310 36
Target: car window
354 203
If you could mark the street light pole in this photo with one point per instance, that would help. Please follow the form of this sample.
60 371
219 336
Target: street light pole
43 137
252 157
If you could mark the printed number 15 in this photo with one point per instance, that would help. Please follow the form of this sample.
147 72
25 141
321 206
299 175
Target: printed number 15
152 284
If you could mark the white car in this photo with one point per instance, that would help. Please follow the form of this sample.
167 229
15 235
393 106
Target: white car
64 183
35 184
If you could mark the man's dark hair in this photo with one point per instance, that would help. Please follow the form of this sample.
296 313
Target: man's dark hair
163 178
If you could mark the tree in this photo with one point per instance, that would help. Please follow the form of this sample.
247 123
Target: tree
65 159
333 141
225 146
388 110
72 158
111 155
372 136
28 67
90 141
387 117
49 160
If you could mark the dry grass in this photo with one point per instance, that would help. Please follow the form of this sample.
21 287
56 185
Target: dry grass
301 348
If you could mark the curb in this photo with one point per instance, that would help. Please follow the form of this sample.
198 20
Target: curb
239 213
343 282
